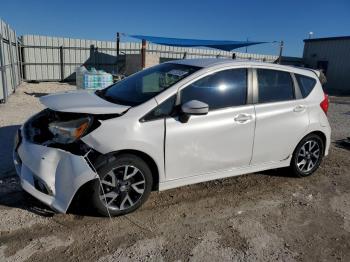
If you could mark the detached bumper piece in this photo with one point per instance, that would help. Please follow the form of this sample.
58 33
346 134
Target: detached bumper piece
51 175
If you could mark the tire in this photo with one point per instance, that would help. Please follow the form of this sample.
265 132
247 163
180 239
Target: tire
305 153
125 192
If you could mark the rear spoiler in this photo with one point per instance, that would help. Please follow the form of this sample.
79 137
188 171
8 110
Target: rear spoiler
321 76
317 72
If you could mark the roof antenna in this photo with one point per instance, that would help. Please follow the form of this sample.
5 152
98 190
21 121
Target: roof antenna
280 53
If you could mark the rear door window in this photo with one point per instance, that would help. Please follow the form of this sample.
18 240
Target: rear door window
306 84
274 86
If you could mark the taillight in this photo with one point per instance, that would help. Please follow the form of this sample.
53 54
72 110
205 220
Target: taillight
325 104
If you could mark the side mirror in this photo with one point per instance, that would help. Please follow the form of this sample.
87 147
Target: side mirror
195 107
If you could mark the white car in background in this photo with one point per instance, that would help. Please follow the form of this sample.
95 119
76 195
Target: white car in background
174 124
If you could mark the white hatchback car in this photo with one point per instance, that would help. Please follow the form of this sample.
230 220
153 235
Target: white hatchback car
174 124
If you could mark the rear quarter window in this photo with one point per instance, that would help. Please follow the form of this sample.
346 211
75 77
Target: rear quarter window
306 84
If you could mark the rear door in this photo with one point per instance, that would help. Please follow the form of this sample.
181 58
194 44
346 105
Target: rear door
218 141
281 115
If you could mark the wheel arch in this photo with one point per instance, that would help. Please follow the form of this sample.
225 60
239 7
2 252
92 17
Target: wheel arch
321 134
144 156
85 189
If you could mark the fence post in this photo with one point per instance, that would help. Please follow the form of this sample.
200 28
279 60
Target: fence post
118 43
12 67
62 63
20 57
143 54
96 57
2 66
118 51
18 60
92 56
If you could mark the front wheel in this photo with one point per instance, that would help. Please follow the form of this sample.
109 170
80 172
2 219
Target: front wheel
307 156
124 185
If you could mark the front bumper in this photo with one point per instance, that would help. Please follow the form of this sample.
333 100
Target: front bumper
51 175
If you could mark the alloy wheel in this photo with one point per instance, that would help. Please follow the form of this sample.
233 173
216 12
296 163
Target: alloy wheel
122 187
308 156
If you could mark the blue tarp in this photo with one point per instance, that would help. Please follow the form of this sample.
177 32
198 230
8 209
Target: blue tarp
218 44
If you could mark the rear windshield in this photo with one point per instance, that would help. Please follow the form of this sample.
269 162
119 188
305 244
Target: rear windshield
144 85
306 84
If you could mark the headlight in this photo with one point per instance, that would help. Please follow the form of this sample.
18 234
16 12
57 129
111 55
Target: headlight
66 132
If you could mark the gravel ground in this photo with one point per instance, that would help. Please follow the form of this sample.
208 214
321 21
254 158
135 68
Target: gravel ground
258 217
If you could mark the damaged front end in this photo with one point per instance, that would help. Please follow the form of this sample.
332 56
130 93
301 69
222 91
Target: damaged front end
50 158
60 130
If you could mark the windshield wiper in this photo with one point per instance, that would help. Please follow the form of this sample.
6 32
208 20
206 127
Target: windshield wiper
100 93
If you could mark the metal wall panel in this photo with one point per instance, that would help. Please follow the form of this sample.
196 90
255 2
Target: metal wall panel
45 57
9 61
337 54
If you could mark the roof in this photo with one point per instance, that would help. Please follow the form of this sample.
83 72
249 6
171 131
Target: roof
203 62
210 62
327 39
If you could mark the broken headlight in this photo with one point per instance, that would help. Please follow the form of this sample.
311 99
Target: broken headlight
66 132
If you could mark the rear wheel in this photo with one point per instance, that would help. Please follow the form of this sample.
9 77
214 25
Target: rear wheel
124 185
307 156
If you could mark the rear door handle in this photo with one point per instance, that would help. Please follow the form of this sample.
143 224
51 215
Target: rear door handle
243 118
299 108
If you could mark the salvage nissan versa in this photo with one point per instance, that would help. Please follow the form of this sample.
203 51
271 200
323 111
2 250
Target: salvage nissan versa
174 124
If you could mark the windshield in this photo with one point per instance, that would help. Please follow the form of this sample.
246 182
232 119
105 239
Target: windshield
144 85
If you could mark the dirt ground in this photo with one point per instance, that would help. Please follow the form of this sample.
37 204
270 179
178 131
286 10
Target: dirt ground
257 217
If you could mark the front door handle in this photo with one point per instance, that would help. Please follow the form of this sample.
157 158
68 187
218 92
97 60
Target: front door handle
243 118
299 108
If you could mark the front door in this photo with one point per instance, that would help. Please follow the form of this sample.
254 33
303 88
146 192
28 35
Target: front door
218 141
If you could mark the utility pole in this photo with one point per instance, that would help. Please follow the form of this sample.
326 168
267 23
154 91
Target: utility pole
118 42
118 51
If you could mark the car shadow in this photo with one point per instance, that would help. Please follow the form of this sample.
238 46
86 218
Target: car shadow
12 195
279 172
7 135
343 143
36 94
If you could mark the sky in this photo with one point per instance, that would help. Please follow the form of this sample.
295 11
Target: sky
264 20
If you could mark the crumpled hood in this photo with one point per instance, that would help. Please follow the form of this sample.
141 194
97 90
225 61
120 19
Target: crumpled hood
81 102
